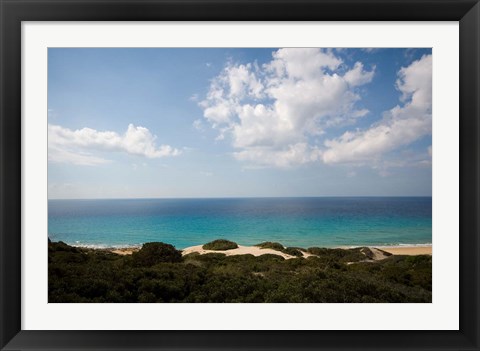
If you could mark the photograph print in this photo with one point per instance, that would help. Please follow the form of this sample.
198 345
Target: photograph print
239 175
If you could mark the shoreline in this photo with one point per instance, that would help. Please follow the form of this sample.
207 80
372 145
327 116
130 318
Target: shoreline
409 250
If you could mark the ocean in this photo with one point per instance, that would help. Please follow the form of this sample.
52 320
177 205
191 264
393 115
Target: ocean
302 222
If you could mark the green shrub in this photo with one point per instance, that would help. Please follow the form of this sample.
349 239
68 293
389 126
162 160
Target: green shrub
299 248
156 252
317 251
292 251
269 258
220 244
191 255
271 245
61 246
342 255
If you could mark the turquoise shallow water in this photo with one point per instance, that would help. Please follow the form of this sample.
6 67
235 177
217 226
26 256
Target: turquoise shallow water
305 222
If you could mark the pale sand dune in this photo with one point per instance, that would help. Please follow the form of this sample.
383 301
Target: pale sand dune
258 251
408 250
241 250
377 254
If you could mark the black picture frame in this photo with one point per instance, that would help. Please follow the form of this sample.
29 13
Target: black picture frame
13 12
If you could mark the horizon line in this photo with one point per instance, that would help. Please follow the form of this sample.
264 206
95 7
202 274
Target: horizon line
239 197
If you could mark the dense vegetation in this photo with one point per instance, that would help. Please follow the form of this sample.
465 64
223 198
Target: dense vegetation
158 273
154 253
341 255
220 244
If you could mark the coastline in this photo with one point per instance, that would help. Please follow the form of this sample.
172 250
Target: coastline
408 250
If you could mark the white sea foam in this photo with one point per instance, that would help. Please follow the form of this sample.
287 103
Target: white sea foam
405 245
105 246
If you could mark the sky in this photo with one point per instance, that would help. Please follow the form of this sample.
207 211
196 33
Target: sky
239 122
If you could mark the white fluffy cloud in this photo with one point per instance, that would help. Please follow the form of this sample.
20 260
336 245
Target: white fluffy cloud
75 146
358 76
400 126
272 112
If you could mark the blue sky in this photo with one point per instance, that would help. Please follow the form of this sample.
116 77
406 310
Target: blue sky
128 123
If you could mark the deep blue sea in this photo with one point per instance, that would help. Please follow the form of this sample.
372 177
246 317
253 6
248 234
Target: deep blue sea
304 222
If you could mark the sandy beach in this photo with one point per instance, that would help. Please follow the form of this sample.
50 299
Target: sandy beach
408 250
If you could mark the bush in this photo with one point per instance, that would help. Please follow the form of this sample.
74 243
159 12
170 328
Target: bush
318 251
299 248
220 244
153 253
293 251
342 255
61 246
271 245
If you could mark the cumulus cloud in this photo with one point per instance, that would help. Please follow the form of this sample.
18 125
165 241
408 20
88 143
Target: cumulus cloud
399 126
75 146
358 76
271 112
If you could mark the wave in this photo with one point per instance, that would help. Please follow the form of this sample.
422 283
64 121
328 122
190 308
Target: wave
405 245
105 246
